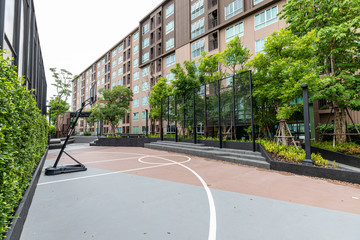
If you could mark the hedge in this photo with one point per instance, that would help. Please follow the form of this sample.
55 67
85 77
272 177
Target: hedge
23 140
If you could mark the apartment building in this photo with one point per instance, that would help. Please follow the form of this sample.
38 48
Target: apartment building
19 35
174 31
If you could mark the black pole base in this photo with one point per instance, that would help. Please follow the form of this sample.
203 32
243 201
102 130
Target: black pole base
308 162
65 169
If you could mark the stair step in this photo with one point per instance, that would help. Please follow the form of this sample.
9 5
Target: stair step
231 155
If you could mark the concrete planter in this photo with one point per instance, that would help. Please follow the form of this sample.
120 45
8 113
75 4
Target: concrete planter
338 157
312 171
124 142
17 224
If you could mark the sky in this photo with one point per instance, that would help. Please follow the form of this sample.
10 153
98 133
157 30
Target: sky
75 33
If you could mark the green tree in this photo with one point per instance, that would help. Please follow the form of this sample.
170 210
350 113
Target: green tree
58 107
234 58
235 55
336 24
112 106
210 68
287 62
62 85
158 92
186 78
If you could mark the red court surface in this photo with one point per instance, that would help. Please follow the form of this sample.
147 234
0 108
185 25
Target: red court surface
139 193
222 175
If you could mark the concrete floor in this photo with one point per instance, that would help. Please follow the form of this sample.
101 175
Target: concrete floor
139 193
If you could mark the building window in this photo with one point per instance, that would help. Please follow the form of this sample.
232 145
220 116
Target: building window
169 27
136 36
102 70
197 48
135 130
145 101
213 41
145 28
259 45
114 52
145 86
257 1
136 89
145 71
120 60
266 18
136 62
113 84
231 32
169 11
103 61
120 71
121 47
136 49
170 43
135 75
143 115
120 82
197 28
145 43
170 77
170 60
114 63
145 57
197 9
102 80
233 8
136 116
114 74
136 102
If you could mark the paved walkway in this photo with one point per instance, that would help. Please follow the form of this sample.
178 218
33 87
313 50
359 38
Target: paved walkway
138 193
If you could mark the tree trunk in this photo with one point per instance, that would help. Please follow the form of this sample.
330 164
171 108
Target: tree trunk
340 124
283 132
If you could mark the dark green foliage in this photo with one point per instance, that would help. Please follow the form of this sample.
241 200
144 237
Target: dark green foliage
291 154
52 129
346 148
112 106
23 139
330 129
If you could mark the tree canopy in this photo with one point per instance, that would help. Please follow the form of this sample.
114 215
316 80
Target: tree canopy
112 106
336 25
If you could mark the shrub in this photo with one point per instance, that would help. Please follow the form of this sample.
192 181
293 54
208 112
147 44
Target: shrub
330 129
52 129
292 154
347 148
87 133
23 139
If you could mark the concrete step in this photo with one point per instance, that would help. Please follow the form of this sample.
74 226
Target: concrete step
238 156
185 145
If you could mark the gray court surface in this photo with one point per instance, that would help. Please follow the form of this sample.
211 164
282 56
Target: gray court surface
126 206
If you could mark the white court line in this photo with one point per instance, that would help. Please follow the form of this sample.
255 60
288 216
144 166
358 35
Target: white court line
103 174
212 225
110 160
111 173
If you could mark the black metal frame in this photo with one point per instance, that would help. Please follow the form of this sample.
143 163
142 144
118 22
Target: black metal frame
55 170
217 85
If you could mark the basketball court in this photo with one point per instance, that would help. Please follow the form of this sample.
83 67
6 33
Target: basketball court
139 193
